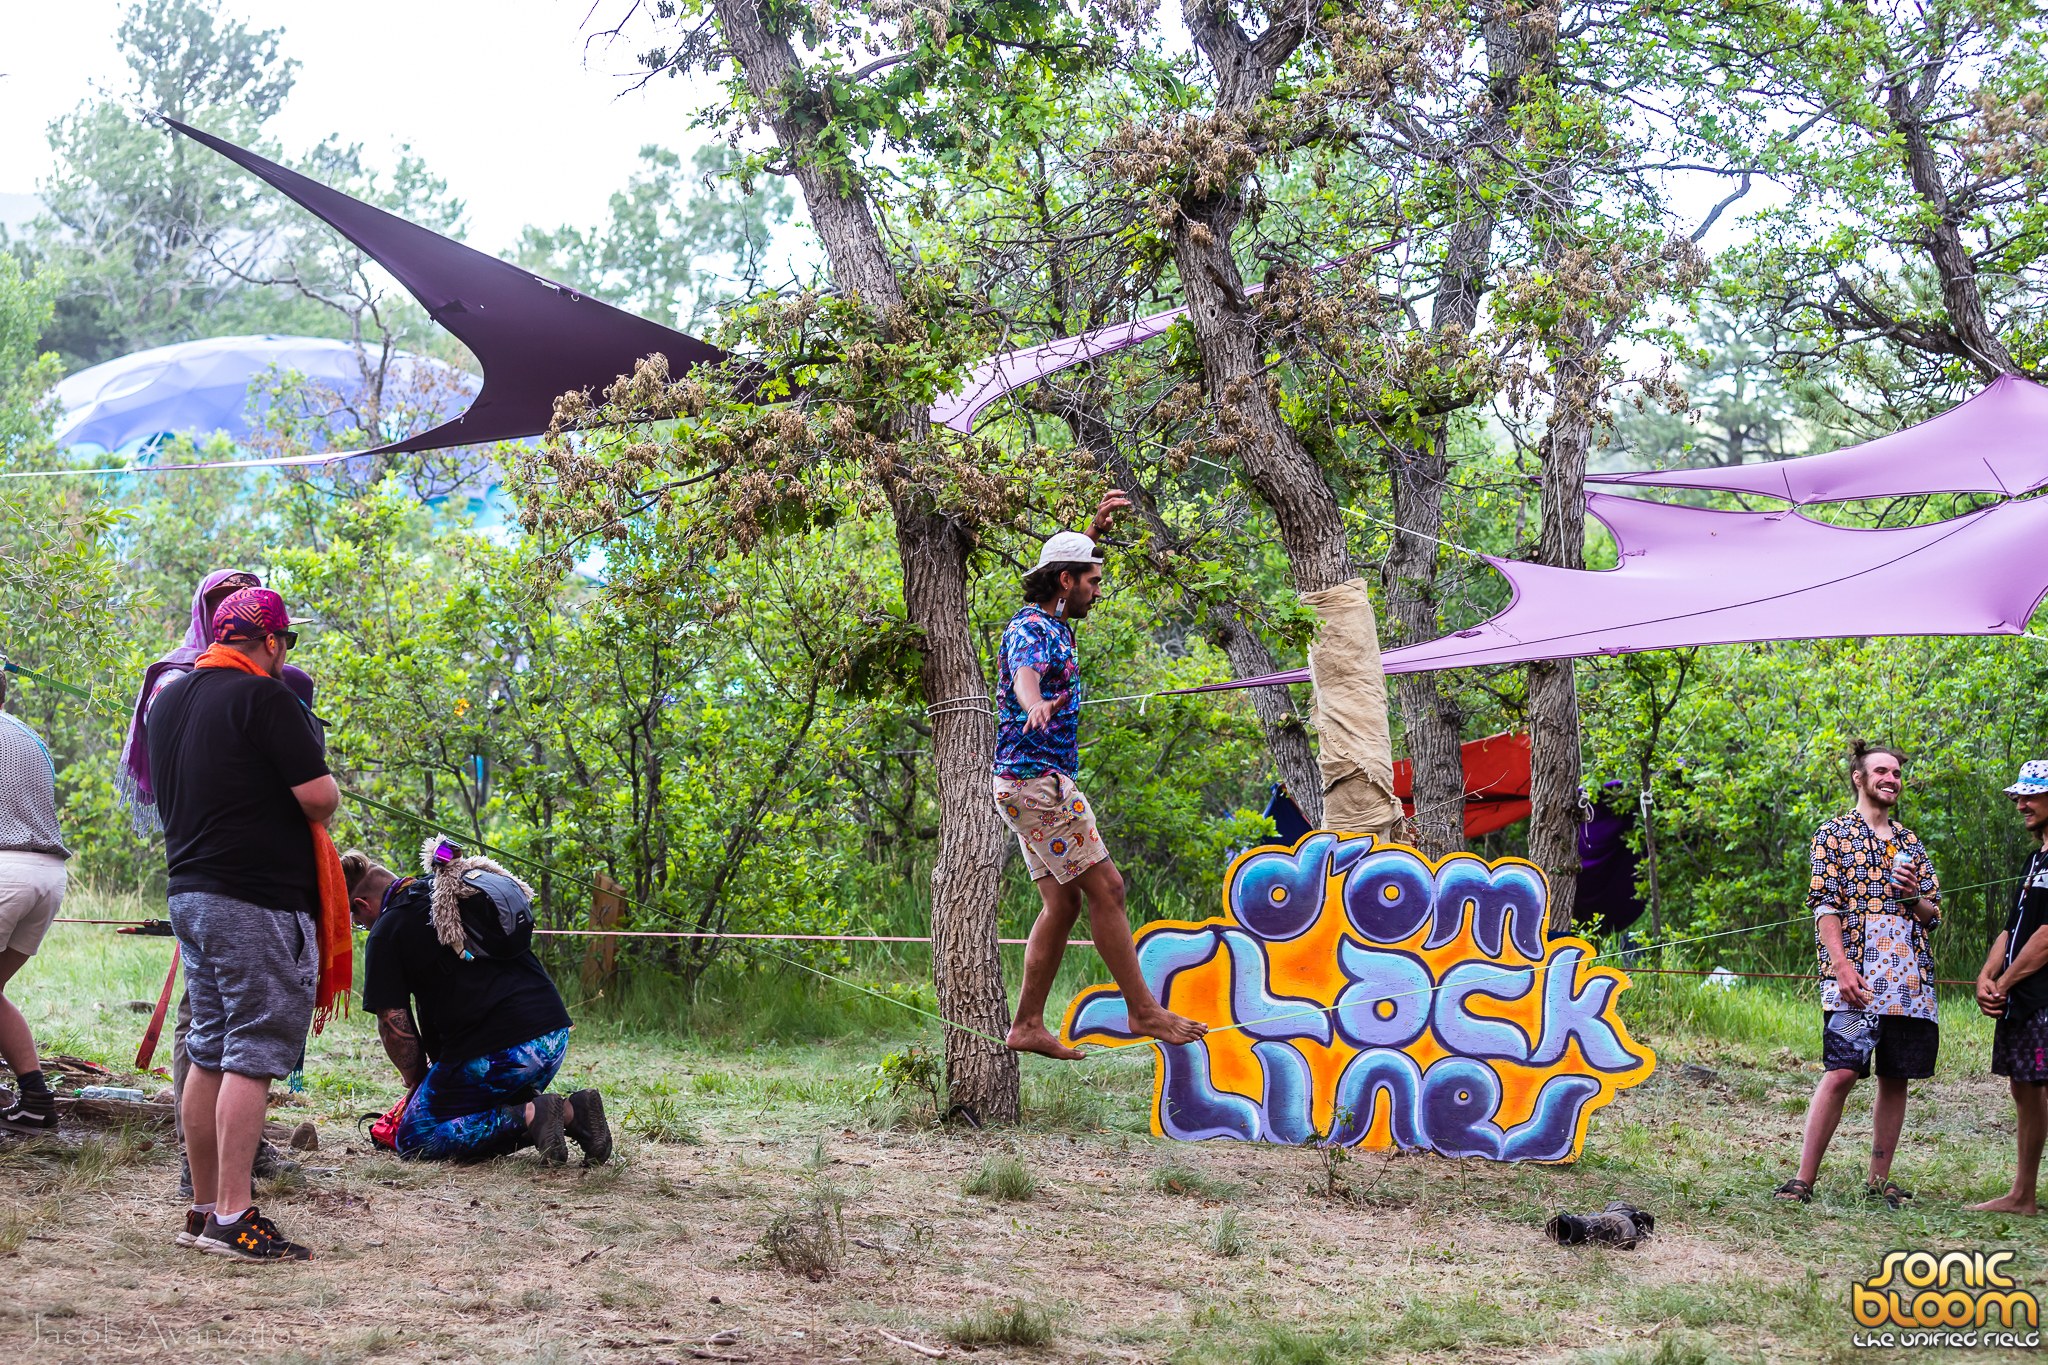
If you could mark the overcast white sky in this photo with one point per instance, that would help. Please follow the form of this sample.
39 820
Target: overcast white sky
501 97
508 100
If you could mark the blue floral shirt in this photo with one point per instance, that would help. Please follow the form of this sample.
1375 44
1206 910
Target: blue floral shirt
1035 639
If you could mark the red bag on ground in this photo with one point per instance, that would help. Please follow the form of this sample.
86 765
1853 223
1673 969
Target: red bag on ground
384 1131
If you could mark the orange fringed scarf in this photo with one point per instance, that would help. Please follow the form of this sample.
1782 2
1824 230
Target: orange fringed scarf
337 949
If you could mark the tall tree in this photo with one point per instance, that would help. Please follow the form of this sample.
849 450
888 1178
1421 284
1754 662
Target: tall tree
1201 169
1911 147
1599 249
132 213
871 358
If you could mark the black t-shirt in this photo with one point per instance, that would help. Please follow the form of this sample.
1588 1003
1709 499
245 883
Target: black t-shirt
225 750
465 1008
2029 912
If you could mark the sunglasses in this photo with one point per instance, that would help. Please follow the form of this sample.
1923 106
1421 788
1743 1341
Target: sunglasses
290 638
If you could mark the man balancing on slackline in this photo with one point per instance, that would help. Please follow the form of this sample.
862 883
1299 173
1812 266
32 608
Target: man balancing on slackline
1038 753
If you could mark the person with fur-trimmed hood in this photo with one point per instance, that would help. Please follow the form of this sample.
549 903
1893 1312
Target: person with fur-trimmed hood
491 1030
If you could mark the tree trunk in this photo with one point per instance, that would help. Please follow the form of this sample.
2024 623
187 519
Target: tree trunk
1244 395
1554 796
967 971
1431 719
981 1073
1225 325
1960 297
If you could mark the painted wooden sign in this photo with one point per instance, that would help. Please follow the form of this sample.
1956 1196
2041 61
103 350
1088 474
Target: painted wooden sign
1360 995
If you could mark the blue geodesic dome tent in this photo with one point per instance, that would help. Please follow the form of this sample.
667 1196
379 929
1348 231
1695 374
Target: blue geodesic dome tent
128 406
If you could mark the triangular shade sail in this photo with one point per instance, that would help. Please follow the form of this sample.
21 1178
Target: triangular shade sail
1694 577
1996 442
1689 576
992 379
535 339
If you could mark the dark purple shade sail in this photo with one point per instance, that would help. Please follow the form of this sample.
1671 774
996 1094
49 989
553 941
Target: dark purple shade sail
1996 442
1690 576
534 338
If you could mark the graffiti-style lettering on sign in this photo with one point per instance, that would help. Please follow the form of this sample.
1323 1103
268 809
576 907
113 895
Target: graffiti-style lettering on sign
1377 999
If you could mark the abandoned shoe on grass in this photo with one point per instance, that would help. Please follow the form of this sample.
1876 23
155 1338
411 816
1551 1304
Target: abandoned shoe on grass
1617 1225
271 1163
589 1128
251 1237
544 1130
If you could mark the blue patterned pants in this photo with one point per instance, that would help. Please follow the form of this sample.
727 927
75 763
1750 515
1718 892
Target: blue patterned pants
470 1111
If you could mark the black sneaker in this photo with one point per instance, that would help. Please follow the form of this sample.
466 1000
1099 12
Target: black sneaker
195 1228
589 1129
35 1113
544 1130
252 1237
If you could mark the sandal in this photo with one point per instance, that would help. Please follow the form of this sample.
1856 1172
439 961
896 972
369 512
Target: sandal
1891 1192
1795 1189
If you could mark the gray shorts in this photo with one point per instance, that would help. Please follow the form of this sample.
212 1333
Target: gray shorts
251 973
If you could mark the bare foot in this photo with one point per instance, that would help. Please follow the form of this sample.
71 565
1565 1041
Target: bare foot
1037 1038
1167 1026
2006 1203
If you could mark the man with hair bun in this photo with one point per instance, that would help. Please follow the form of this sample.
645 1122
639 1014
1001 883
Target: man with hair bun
1038 756
490 1032
1875 899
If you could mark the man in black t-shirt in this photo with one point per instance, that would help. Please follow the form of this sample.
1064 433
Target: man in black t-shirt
239 778
490 1029
2013 989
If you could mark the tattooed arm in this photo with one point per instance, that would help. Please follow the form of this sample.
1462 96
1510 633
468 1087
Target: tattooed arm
401 1038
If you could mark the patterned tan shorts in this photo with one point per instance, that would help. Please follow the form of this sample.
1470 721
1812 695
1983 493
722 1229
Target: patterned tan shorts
1054 823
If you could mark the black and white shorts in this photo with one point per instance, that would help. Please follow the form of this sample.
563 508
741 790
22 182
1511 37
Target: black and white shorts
1903 1048
252 973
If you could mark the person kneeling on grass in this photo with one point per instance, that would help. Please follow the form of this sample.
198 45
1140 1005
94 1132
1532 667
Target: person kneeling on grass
491 1028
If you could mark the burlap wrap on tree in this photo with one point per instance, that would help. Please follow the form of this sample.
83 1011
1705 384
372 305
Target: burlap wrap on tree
1355 750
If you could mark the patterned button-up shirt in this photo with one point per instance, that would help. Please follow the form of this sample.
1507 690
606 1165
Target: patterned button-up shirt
1852 879
1039 641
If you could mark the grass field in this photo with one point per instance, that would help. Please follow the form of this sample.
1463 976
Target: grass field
770 1202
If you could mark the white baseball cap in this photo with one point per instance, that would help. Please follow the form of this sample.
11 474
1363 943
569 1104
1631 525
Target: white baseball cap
1068 547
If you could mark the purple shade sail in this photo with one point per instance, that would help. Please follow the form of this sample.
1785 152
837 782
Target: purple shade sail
1689 576
535 339
992 379
1996 442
